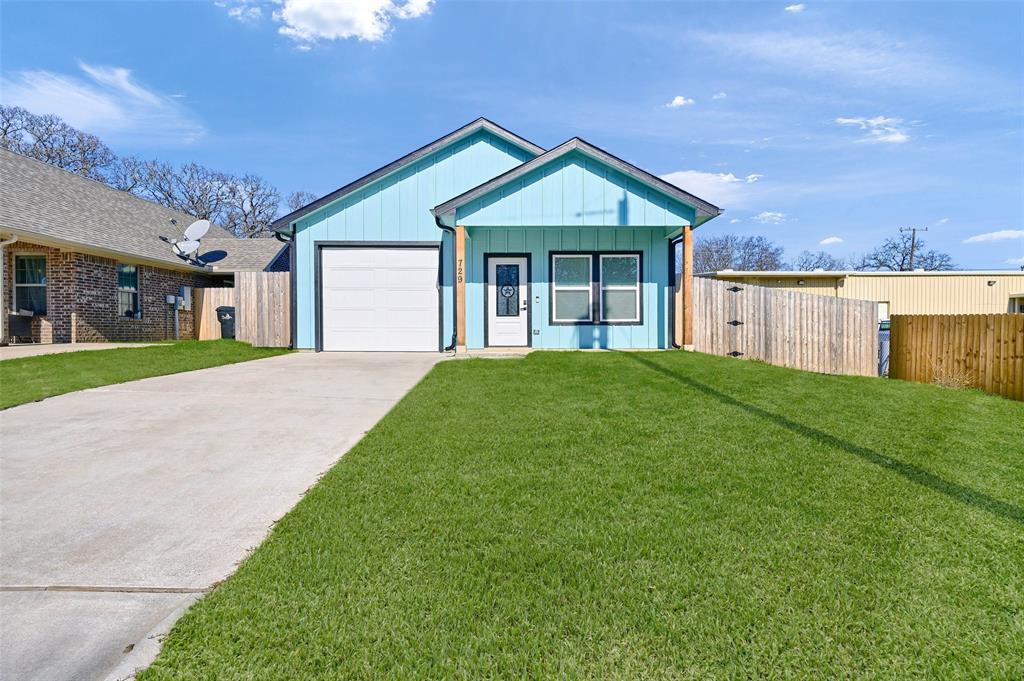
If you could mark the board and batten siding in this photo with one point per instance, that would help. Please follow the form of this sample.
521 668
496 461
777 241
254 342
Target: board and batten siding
539 242
575 190
397 208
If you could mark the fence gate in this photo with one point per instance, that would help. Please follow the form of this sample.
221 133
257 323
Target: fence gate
262 302
788 328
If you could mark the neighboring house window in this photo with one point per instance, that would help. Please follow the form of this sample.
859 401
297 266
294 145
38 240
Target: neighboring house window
572 293
595 288
620 288
128 291
30 283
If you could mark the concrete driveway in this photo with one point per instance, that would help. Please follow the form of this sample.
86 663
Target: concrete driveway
121 505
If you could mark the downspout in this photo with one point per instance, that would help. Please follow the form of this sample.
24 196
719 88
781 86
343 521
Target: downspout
455 288
672 277
3 264
292 293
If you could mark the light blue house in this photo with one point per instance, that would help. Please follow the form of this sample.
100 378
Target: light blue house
484 239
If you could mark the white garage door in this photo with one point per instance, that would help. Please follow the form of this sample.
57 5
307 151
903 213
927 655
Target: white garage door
379 298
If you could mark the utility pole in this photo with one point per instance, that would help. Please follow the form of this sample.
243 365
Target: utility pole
913 242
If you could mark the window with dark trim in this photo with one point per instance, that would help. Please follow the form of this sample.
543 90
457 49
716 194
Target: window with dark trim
128 291
596 288
30 283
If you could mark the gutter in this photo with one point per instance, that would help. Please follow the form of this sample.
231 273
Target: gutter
455 288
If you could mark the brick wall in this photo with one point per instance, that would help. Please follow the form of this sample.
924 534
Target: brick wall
96 302
59 290
86 285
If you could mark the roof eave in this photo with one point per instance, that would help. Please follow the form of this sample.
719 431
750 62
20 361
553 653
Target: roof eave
703 210
283 225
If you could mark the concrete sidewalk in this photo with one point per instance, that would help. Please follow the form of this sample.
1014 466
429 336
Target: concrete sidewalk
123 504
34 349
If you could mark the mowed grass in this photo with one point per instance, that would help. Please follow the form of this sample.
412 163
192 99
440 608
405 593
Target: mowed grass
641 515
28 379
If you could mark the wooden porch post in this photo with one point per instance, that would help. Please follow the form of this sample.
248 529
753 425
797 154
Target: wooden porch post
687 286
460 285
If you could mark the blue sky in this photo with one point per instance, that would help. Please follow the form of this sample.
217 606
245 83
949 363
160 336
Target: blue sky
808 123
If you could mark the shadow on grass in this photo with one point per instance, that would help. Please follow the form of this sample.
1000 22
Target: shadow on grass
910 472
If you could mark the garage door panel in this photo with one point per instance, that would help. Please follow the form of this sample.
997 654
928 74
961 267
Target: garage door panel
379 299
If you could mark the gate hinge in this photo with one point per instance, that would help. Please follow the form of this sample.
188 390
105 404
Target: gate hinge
734 322
734 289
735 353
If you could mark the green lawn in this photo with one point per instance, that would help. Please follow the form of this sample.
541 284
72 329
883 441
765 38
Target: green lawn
641 515
28 379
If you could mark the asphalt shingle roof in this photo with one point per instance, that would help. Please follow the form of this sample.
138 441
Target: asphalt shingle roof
39 199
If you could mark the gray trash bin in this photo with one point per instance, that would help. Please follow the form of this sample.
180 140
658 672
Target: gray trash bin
226 317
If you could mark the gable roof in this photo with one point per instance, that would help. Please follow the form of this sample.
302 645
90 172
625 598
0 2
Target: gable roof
282 224
705 210
59 208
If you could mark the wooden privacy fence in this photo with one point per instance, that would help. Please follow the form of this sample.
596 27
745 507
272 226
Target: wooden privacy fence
262 302
800 330
985 351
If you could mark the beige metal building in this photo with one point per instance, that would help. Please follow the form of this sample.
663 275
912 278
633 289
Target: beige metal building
921 292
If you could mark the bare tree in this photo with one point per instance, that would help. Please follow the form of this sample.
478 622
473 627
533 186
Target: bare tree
251 207
818 260
729 251
896 255
51 140
300 199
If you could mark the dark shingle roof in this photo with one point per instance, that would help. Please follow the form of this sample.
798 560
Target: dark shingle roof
56 205
240 255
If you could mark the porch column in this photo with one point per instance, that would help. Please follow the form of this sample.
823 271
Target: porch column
460 286
687 287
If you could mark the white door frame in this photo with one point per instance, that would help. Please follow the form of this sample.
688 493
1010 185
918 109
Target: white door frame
525 289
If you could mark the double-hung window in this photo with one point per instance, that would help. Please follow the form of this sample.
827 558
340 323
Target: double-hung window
595 288
620 287
30 283
572 291
128 291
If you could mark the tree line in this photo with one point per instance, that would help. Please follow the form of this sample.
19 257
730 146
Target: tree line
244 204
756 253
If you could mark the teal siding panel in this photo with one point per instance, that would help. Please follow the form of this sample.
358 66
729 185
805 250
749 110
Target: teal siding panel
397 208
539 242
574 190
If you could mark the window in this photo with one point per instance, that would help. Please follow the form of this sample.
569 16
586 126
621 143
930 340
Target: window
595 288
883 310
620 288
30 283
572 293
128 291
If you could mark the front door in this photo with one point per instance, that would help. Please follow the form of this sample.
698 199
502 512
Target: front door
508 301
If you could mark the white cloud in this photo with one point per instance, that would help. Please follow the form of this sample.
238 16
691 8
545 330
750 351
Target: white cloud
721 189
679 101
734 221
244 10
880 129
308 21
1015 261
830 240
769 217
719 95
868 58
1001 235
796 9
942 221
107 101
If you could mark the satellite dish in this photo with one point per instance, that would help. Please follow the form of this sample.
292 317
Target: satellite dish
197 230
184 248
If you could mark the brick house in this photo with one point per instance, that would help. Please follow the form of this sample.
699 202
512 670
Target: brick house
83 262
